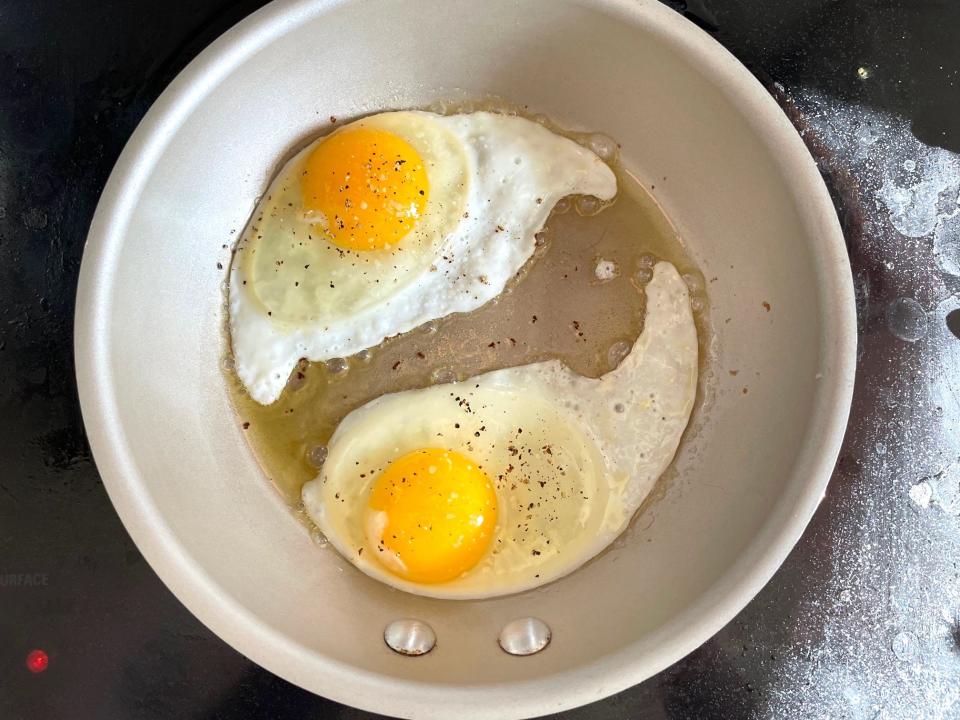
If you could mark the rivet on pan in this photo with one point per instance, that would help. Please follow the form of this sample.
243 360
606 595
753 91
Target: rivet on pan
525 636
409 637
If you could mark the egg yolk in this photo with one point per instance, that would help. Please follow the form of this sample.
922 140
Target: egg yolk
367 187
432 514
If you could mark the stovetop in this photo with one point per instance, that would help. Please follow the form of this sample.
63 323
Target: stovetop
862 621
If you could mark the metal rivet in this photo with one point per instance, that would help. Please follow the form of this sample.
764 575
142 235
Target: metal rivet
409 637
525 636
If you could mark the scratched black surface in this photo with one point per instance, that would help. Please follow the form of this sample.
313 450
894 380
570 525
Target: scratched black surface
75 78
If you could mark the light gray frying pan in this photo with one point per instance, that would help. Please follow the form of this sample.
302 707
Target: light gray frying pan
741 189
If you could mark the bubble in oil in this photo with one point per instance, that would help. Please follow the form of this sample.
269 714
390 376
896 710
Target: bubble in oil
562 206
587 205
603 147
336 366
646 260
697 304
319 539
642 276
364 356
443 376
317 455
228 363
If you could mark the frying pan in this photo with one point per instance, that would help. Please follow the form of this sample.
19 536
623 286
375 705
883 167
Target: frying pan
729 171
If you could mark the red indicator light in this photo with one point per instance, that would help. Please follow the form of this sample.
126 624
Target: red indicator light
37 661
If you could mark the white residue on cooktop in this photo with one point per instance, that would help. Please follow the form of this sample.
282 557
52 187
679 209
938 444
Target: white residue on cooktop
874 597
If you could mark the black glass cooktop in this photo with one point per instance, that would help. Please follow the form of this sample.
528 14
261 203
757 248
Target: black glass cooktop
863 620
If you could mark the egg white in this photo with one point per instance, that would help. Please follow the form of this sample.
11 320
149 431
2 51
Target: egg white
500 176
584 452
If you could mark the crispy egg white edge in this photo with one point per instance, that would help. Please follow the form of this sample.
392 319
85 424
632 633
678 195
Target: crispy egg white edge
482 259
656 386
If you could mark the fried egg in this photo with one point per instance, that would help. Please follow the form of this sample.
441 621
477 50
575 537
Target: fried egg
513 478
390 222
